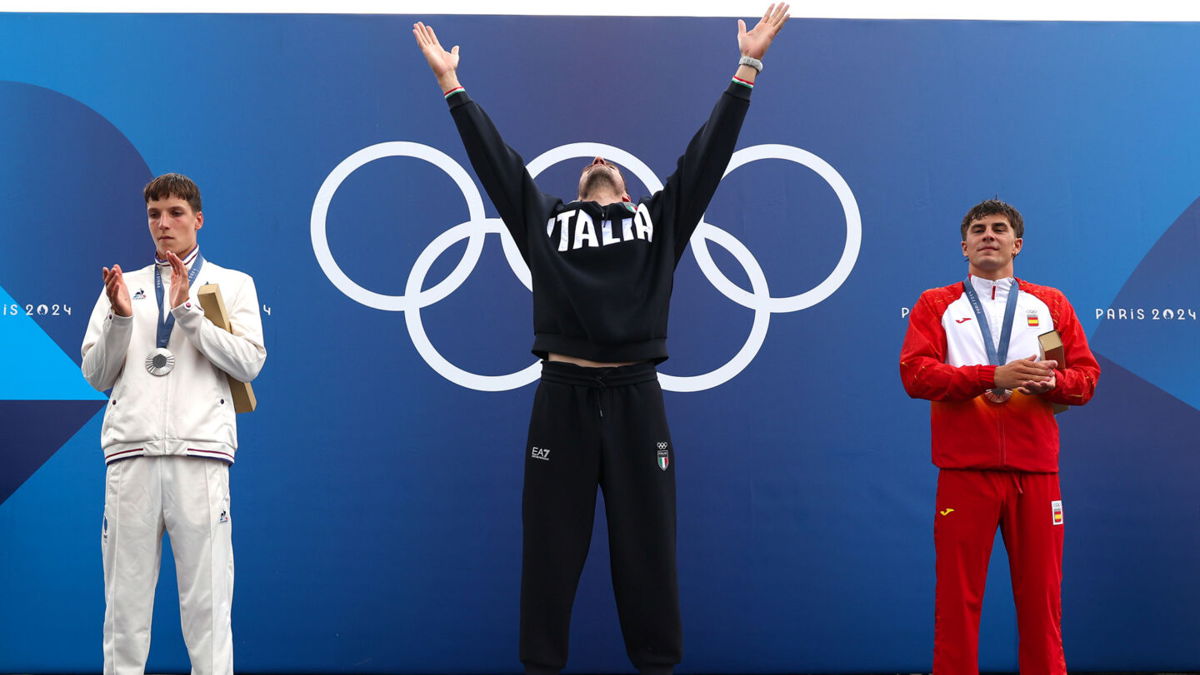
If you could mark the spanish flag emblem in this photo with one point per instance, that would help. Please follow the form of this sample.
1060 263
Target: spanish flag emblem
1032 317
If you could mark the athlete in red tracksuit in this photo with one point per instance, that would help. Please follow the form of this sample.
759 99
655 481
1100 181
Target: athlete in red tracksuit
995 440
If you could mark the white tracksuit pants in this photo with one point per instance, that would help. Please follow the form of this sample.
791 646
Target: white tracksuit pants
188 497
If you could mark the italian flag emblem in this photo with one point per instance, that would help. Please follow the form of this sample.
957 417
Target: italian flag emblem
664 459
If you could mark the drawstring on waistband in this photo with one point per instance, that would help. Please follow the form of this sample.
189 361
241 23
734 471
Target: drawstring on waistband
1016 476
598 379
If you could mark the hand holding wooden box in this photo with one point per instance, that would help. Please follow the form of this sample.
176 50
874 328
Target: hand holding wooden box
1052 350
214 310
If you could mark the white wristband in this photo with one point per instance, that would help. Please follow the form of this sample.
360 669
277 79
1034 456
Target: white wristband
752 62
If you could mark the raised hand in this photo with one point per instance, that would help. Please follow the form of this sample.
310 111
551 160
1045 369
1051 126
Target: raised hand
179 280
754 43
444 64
115 289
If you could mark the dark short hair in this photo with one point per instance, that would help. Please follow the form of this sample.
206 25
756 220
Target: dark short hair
173 185
992 207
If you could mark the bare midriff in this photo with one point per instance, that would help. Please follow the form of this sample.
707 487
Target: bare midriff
586 363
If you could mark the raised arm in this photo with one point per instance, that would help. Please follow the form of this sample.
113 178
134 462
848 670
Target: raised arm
444 64
754 43
699 170
500 168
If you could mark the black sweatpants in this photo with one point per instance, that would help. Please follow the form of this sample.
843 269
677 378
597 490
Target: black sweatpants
606 427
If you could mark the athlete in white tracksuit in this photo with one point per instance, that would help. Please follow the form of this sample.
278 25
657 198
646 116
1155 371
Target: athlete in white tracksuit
169 438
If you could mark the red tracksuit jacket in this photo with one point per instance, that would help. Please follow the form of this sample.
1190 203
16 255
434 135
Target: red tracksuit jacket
943 360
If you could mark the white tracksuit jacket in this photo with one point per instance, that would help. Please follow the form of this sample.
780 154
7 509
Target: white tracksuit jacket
188 411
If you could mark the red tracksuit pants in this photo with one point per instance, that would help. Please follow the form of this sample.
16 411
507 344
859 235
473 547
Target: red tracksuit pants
1028 509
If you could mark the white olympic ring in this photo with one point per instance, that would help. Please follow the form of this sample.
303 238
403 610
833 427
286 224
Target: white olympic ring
477 227
320 241
849 252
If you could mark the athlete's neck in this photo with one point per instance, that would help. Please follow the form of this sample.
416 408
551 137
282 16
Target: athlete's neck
161 256
991 275
603 198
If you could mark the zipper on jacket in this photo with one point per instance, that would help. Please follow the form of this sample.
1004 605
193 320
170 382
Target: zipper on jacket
166 409
1000 429
166 412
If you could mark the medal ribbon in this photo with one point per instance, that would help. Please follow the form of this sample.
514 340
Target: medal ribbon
997 354
165 325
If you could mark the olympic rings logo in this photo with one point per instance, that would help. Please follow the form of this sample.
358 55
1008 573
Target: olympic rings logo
478 227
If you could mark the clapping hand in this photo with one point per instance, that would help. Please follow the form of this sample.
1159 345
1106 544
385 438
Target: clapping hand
1027 375
118 293
179 280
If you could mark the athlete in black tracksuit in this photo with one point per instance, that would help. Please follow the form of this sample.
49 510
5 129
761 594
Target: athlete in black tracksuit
602 279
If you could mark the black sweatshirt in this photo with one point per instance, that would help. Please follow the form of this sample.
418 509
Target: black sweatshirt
602 275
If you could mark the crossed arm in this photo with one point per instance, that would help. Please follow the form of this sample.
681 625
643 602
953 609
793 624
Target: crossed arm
925 373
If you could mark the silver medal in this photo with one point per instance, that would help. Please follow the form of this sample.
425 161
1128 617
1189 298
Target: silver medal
160 362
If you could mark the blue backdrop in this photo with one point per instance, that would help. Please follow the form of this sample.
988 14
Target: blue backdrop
376 498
